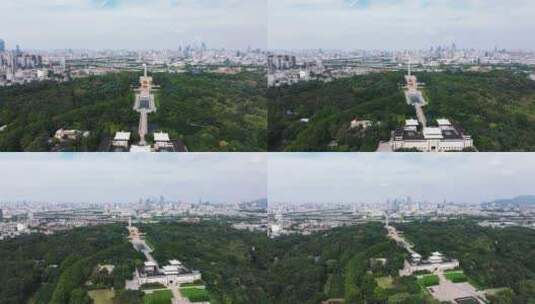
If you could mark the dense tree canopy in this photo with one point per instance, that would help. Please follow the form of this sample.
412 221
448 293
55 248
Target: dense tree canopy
208 112
492 258
496 108
245 267
53 268
351 263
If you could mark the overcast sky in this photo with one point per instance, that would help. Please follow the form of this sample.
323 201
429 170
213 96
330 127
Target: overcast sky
400 24
376 177
124 177
133 24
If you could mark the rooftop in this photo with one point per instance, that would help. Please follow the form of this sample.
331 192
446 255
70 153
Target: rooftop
174 262
122 136
136 148
161 136
443 122
432 133
411 122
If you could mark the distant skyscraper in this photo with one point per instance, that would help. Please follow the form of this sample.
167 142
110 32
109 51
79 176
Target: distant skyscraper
2 46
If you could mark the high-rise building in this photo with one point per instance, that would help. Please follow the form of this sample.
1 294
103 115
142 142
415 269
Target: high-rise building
2 46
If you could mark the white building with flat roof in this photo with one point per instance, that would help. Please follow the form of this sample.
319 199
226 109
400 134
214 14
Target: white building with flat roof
174 273
121 141
162 143
436 261
441 138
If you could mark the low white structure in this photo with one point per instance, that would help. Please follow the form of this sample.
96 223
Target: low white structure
275 230
121 140
416 258
442 138
139 148
433 263
174 273
363 124
162 142
63 134
436 258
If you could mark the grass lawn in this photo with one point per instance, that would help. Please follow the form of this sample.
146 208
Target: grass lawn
428 280
195 294
456 276
384 282
198 283
158 297
102 296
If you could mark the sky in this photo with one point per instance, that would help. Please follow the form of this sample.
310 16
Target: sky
377 177
400 24
126 177
133 24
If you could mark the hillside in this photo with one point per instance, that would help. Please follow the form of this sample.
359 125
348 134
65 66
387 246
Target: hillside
496 108
492 258
208 112
515 202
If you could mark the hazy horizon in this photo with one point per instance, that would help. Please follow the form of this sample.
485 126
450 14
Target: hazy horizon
400 24
126 177
378 177
133 24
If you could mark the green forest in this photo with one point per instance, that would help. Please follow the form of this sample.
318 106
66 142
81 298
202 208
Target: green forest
357 264
245 267
208 112
491 258
54 269
496 108
237 266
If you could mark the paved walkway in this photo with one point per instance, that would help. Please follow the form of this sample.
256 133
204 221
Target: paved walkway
143 127
384 146
420 115
448 291
394 234
177 296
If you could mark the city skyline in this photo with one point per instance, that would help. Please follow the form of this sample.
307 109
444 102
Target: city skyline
377 178
102 177
399 24
111 24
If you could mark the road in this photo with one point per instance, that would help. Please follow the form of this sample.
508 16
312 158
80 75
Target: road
140 244
143 127
416 99
394 234
421 115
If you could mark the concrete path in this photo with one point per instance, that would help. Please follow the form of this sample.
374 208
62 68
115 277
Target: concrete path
143 127
394 234
384 146
448 291
177 296
420 115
